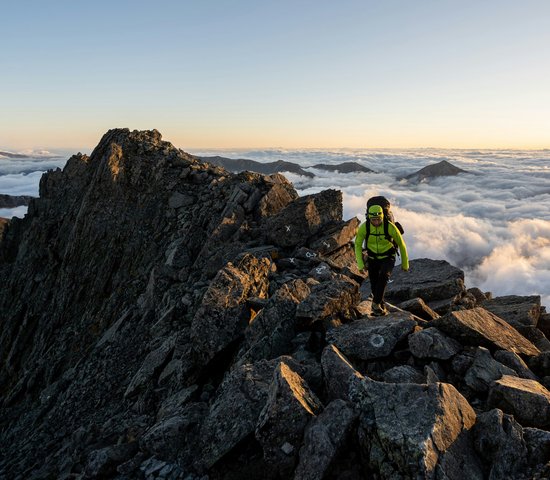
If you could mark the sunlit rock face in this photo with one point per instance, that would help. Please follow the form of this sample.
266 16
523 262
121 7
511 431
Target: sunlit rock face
162 317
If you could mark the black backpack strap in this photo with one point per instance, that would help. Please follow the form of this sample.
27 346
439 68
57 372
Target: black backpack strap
386 232
368 231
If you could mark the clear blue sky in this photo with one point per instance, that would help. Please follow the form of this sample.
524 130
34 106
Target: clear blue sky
385 73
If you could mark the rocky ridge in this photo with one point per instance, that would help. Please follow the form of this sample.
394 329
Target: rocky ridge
164 318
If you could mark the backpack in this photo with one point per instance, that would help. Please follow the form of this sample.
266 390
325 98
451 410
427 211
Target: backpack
388 217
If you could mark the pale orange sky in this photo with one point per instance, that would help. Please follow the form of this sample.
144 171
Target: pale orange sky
300 74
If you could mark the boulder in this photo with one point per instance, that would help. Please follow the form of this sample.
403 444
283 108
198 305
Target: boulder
288 409
235 410
515 362
431 343
540 364
277 198
324 439
480 327
303 218
527 400
535 336
485 370
223 314
428 279
418 307
543 323
338 373
102 463
516 310
367 339
416 431
152 365
538 445
403 374
175 403
271 331
279 309
332 238
171 438
498 439
336 298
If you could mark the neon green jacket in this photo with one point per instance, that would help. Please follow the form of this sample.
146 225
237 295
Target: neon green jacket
378 243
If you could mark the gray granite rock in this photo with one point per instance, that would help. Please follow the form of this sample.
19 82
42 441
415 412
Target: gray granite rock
538 445
336 298
102 463
332 238
403 374
516 310
527 400
338 373
417 431
288 409
418 307
428 279
431 343
480 327
367 339
485 370
303 218
223 314
324 439
515 362
235 410
499 440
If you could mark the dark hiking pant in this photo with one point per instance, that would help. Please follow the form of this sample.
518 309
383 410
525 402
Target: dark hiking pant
379 273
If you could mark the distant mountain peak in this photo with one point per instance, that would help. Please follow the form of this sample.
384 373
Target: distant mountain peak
440 169
345 167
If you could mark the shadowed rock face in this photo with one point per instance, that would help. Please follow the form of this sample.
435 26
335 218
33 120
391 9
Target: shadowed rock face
161 317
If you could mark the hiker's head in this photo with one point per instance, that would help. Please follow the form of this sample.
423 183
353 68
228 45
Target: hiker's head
376 214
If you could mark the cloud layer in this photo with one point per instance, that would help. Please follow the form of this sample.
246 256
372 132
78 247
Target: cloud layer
494 222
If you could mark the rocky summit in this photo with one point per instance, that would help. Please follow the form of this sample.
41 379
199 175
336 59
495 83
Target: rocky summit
163 318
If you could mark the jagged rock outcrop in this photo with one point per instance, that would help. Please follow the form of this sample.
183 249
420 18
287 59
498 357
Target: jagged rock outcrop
164 318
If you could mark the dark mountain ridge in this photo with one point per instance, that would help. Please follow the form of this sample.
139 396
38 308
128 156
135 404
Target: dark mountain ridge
241 165
162 317
440 169
12 201
25 155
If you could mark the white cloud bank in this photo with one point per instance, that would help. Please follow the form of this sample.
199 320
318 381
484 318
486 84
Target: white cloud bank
493 223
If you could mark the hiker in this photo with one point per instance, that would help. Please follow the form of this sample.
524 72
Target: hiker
381 248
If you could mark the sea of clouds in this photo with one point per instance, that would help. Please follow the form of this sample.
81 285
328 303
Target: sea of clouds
493 222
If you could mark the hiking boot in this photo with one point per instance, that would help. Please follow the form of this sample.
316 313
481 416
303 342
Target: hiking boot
379 310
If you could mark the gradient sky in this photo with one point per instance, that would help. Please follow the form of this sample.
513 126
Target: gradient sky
319 74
